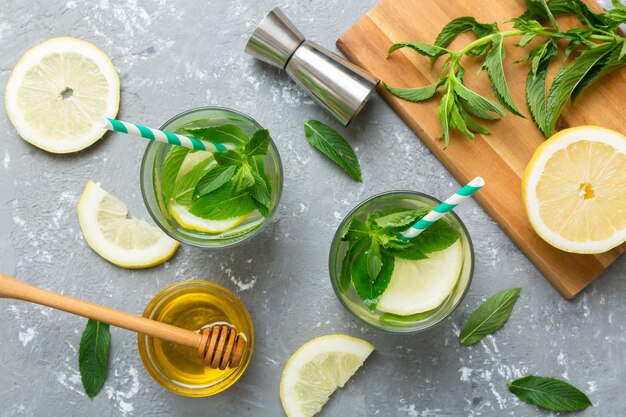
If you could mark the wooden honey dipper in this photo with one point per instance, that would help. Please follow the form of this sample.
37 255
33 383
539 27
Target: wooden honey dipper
219 346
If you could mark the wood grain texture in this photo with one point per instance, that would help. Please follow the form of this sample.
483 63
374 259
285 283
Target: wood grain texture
501 157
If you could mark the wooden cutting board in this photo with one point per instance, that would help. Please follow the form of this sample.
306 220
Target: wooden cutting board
501 157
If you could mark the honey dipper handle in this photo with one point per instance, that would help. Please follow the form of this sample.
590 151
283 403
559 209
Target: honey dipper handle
12 288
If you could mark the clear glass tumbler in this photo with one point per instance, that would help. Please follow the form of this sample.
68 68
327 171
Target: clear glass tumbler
390 322
151 176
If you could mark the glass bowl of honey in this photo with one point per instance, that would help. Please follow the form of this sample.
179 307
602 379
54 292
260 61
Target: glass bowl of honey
194 305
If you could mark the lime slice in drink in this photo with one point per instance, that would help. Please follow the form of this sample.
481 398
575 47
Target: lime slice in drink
420 286
187 220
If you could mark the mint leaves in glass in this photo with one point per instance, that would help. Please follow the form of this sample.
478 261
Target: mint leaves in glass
398 285
213 200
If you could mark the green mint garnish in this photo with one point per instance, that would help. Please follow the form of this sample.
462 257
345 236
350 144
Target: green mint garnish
185 185
233 186
549 393
169 170
223 204
597 44
334 146
489 316
222 134
93 356
373 244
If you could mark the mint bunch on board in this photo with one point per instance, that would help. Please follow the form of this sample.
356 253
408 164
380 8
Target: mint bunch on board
594 49
228 184
373 244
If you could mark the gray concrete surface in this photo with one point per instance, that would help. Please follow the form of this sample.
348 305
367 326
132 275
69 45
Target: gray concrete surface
175 55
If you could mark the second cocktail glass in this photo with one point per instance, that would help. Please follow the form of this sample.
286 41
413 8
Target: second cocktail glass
175 219
455 264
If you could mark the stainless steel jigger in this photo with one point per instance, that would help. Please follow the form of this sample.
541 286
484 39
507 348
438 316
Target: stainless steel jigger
339 86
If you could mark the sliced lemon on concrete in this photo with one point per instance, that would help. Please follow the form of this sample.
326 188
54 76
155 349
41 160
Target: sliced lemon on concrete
189 221
129 243
58 93
420 286
574 190
317 369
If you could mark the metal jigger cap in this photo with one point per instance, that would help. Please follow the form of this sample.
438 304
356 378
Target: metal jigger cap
275 39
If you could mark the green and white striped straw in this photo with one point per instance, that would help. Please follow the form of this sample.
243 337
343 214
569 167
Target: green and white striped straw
164 136
443 208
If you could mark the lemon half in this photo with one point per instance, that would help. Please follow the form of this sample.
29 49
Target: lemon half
129 243
58 93
574 190
317 369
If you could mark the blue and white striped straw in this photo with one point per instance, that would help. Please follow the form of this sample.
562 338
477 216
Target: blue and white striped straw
164 136
443 208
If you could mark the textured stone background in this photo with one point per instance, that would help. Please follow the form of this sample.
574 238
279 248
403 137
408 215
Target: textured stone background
175 55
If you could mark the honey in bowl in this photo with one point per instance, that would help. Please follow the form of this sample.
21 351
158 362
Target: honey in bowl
194 305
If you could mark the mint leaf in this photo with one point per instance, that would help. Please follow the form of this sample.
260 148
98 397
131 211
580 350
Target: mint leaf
549 393
437 237
334 146
260 192
399 219
414 94
355 249
170 167
243 178
540 9
228 158
461 25
374 261
222 204
489 316
392 242
476 104
536 83
444 113
495 70
370 290
222 134
213 180
420 48
357 230
258 144
566 81
185 185
93 356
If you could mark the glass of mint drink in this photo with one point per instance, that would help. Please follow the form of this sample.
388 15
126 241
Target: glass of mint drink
213 200
392 284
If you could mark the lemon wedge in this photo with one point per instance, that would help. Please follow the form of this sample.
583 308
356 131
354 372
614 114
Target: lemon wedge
574 190
129 243
317 369
189 221
58 93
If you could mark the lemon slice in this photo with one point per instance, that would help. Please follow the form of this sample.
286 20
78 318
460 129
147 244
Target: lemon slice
420 286
129 243
189 221
317 369
192 159
574 190
58 93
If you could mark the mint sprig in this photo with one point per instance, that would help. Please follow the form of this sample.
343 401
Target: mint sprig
373 244
597 45
233 186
